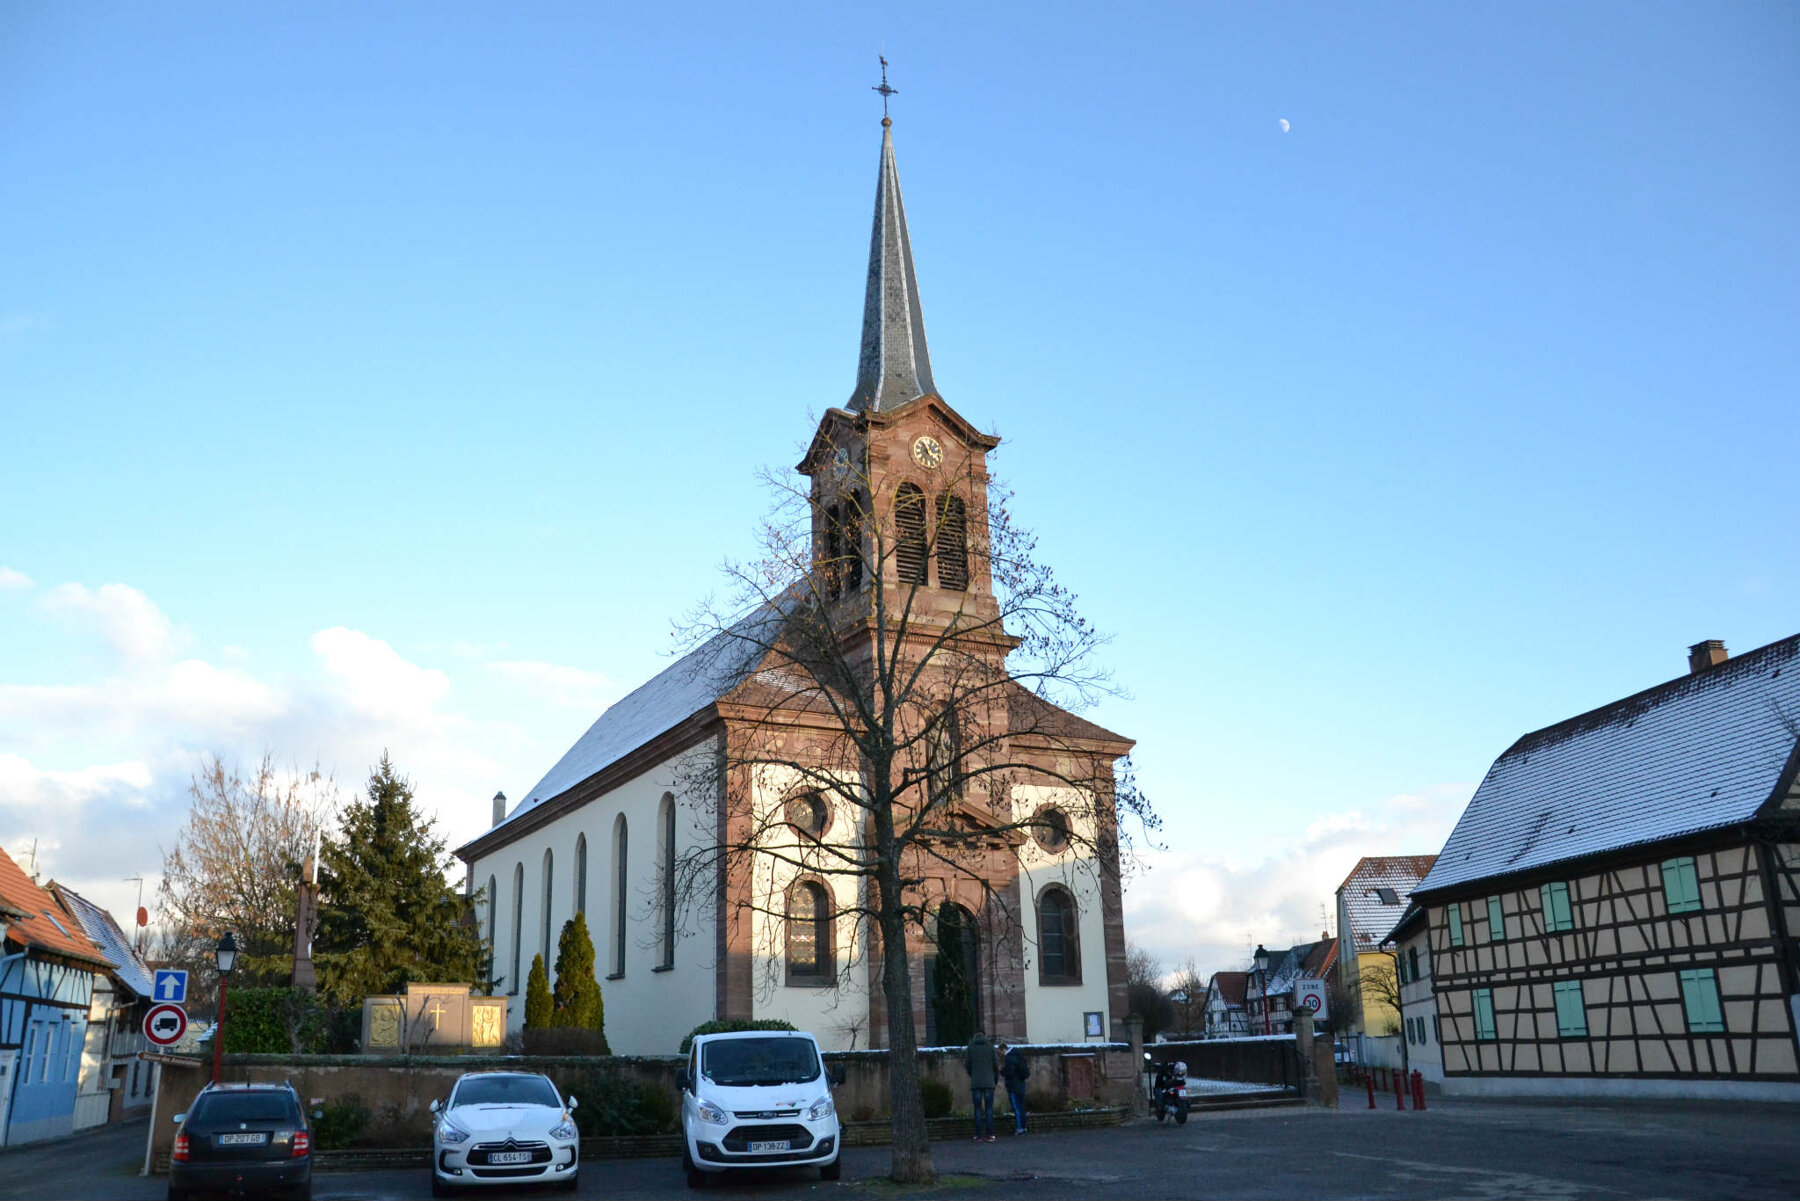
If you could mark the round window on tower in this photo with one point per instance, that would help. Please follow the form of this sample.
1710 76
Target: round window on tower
808 813
1050 826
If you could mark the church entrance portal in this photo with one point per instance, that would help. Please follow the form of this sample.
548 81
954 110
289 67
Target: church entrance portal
952 977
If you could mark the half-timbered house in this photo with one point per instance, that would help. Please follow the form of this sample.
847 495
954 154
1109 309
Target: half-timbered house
114 1082
1616 910
47 969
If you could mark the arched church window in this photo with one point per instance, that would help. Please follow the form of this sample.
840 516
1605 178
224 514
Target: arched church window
581 873
549 900
834 553
518 927
493 910
952 543
808 934
665 827
909 529
621 894
1059 944
850 525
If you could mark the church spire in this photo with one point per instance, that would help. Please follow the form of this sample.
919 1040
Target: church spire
894 367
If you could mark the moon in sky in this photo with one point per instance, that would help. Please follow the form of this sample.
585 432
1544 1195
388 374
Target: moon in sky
1284 125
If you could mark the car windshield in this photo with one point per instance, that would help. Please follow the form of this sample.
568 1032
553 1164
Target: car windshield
506 1090
244 1107
752 1061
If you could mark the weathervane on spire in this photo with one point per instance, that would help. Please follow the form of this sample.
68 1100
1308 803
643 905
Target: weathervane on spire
885 91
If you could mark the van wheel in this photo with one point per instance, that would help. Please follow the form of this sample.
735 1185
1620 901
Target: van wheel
695 1177
832 1171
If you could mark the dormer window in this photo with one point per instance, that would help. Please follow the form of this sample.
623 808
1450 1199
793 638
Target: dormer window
1387 896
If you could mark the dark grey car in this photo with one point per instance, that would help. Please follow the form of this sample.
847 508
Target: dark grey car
242 1138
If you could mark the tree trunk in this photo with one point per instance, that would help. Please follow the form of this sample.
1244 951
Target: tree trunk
912 1143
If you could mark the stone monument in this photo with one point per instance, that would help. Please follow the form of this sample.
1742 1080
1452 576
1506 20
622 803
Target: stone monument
433 1019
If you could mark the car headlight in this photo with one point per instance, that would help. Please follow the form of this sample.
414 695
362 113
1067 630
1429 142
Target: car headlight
452 1134
564 1129
822 1108
712 1113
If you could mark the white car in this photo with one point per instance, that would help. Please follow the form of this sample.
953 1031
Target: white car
503 1128
757 1099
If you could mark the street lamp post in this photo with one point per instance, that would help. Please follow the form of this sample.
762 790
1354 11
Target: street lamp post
225 957
1262 975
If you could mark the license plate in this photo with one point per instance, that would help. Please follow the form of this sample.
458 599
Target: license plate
510 1157
781 1144
243 1140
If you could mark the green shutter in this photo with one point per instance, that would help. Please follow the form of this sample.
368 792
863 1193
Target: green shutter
1484 1013
1557 914
1456 937
1700 998
1496 920
1571 1009
1681 885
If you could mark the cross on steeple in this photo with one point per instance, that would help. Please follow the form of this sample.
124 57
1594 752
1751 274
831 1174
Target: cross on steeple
885 91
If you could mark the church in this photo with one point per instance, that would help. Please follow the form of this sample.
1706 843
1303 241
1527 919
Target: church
725 837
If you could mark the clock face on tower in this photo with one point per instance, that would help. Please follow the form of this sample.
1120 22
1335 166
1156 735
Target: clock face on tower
840 464
926 452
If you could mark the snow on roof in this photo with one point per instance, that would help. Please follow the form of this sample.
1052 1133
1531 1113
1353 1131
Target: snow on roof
105 933
1371 914
1698 753
670 697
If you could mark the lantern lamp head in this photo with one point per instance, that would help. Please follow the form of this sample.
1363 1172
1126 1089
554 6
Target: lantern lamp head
1262 959
226 953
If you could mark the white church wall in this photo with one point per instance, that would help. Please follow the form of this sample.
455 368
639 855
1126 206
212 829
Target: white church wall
649 1008
838 1013
1056 1012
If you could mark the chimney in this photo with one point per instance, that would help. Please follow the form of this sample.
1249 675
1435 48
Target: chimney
1703 655
499 807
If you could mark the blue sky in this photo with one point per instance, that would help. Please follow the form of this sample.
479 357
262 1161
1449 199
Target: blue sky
405 370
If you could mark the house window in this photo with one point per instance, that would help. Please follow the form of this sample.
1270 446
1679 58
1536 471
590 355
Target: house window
1059 944
1681 885
1410 1032
1456 934
581 873
909 527
952 543
1412 961
549 898
1571 1010
518 926
1437 1031
1700 998
808 934
1496 920
621 894
1400 969
1557 914
1484 1014
665 833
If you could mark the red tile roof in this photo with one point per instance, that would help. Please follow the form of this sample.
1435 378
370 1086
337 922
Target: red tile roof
45 925
1231 985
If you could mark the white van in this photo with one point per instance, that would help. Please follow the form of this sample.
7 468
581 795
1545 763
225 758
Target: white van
757 1099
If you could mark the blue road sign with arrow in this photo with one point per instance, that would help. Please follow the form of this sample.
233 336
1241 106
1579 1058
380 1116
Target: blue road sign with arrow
170 987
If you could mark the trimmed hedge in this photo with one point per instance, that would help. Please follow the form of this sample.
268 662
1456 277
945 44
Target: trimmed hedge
732 1026
290 1021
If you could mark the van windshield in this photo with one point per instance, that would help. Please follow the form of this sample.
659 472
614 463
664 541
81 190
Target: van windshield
753 1061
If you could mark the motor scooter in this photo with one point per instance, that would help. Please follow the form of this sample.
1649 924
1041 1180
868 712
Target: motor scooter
1168 1093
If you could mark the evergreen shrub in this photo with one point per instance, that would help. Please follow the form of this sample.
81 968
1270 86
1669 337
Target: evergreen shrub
613 1104
732 1026
937 1098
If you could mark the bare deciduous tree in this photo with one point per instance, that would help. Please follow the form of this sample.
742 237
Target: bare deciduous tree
899 736
1379 984
235 864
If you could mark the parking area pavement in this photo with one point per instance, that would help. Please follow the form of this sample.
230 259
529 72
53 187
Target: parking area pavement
1491 1150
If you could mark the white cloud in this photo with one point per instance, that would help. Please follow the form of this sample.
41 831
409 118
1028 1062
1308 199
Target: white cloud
1191 905
570 687
375 680
122 615
15 581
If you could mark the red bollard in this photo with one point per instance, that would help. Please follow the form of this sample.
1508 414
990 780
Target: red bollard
1399 1092
1418 1083
1369 1079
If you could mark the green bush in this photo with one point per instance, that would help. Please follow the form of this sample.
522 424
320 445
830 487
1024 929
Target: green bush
342 1124
937 1098
577 994
732 1026
540 1011
286 1021
613 1104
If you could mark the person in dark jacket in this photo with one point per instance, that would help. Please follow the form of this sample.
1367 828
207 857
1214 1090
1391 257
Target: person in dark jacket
1014 1071
983 1066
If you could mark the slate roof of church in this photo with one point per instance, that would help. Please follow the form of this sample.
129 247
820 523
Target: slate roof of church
894 366
39 923
105 934
1370 916
1702 752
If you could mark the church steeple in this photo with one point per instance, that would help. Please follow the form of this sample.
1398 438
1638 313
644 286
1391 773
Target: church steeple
895 366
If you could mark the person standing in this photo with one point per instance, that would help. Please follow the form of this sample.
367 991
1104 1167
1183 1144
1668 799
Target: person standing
1014 1071
982 1064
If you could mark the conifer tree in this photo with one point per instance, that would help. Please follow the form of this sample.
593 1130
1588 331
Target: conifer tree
540 1012
578 1000
387 913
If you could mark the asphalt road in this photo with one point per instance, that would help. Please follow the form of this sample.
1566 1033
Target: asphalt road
1486 1150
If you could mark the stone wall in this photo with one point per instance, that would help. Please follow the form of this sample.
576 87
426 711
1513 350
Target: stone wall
398 1090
